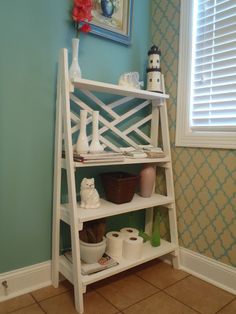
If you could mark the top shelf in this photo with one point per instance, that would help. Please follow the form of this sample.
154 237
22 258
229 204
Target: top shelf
118 90
127 161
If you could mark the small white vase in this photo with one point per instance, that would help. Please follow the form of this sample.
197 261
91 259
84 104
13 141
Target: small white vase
95 145
74 71
82 145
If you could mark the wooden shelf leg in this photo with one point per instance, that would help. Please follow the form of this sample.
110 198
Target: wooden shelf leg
169 182
74 223
176 261
78 288
57 184
174 235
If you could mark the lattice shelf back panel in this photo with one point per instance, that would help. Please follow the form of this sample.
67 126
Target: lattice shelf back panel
124 121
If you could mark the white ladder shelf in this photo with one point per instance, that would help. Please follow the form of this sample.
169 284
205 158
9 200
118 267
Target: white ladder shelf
67 123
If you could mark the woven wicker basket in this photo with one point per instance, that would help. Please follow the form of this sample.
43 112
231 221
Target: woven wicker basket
119 187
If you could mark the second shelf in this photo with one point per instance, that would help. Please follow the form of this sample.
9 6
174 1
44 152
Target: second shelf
110 209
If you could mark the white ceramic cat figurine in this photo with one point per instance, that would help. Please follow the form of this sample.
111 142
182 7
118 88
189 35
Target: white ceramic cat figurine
89 195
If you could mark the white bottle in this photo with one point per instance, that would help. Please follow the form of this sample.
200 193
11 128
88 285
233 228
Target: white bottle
82 145
74 70
95 145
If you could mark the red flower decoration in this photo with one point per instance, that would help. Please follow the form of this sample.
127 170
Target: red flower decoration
82 14
85 28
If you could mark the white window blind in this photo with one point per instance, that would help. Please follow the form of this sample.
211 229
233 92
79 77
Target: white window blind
213 88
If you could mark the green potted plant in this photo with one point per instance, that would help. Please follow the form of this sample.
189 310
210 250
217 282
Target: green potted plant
92 240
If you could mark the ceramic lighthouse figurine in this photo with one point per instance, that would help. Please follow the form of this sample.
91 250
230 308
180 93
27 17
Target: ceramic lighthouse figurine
154 77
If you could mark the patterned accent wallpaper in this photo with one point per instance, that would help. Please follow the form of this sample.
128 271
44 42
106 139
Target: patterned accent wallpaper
205 179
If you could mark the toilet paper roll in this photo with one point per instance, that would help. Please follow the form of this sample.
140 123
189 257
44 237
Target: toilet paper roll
129 231
115 243
133 247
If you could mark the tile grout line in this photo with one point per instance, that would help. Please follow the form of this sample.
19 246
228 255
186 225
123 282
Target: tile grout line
190 306
181 302
135 302
47 298
107 300
149 283
177 281
33 297
37 302
42 308
141 300
21 308
234 299
159 290
162 289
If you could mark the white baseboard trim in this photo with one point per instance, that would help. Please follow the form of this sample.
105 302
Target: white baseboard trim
207 269
25 280
37 276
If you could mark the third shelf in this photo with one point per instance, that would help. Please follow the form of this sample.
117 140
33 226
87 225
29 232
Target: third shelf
149 253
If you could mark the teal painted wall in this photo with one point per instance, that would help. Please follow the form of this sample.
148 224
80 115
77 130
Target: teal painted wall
31 34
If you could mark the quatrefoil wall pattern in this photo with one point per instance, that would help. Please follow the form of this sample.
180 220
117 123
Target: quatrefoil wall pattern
205 179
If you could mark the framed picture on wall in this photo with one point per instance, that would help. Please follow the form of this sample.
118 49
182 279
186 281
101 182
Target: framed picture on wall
113 19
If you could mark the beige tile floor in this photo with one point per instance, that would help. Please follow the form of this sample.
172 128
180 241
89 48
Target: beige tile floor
153 288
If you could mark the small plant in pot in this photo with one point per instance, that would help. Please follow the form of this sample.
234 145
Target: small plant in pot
92 240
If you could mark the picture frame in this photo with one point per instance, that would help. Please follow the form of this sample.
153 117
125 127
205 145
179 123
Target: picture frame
113 19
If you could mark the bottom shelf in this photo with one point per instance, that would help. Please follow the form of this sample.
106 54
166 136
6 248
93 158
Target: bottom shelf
149 253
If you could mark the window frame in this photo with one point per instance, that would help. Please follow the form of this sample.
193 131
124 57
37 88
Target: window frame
185 136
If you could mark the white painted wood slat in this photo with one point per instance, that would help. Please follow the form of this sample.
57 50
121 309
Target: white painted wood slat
117 90
117 119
